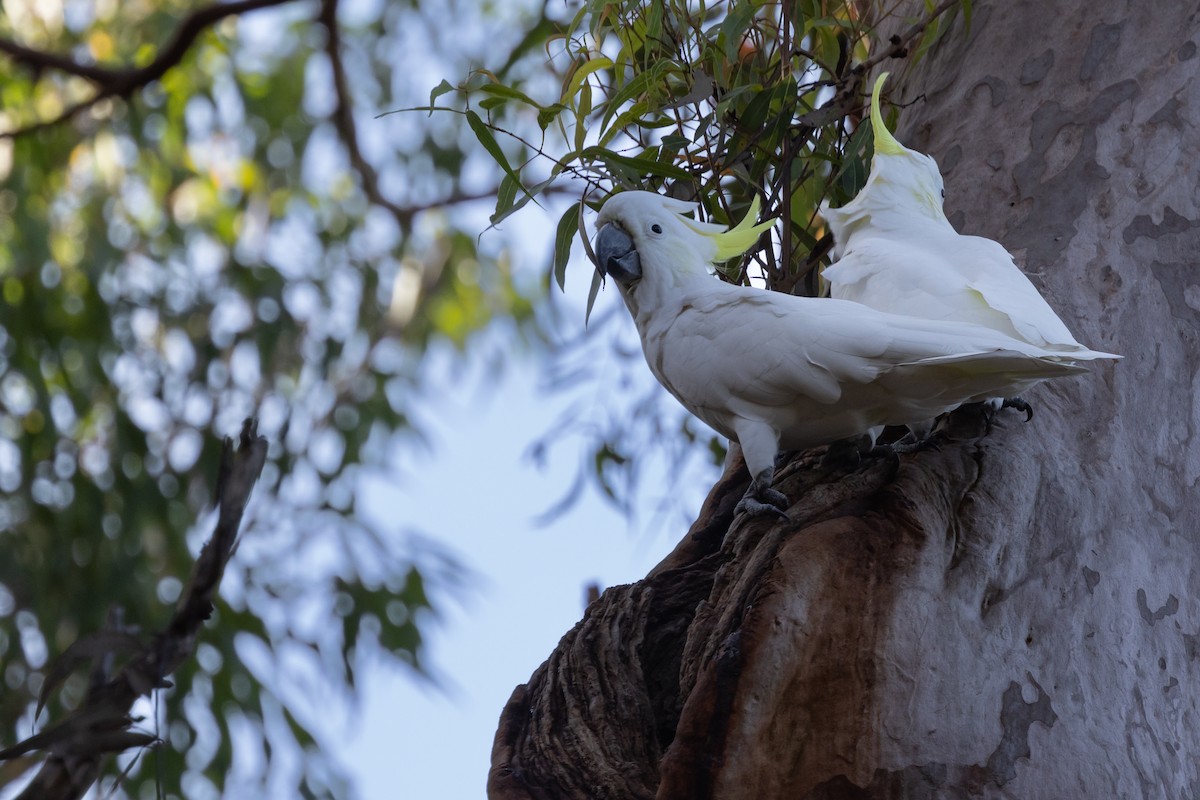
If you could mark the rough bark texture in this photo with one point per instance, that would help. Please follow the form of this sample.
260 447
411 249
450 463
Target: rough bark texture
1012 615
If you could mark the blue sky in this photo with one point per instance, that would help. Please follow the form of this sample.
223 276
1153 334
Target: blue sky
477 495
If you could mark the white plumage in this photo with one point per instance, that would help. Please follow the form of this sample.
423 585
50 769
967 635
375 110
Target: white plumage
895 251
771 370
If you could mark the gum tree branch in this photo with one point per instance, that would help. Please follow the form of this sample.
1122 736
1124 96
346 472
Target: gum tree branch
343 120
123 81
102 725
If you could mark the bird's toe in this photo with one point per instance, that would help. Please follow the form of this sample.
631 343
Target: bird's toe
757 508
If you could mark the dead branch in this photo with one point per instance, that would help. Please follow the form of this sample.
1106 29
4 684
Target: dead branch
102 725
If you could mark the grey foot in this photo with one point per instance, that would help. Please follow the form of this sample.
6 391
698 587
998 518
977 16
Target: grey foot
849 453
761 500
909 443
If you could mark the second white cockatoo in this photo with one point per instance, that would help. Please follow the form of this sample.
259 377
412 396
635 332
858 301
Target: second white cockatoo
895 251
771 370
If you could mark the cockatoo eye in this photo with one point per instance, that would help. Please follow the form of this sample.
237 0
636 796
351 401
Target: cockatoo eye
656 228
943 194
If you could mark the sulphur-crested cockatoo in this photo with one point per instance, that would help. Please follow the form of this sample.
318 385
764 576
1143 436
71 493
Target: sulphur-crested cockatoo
895 251
772 370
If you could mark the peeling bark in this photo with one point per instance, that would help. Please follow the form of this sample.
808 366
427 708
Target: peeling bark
1011 615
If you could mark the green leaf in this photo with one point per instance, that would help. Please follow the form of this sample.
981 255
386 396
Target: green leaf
755 112
442 88
549 114
641 84
592 293
530 193
568 224
856 161
674 142
629 117
580 75
484 134
509 93
733 27
505 197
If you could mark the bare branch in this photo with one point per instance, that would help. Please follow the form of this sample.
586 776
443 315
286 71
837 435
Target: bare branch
39 60
122 82
343 118
102 724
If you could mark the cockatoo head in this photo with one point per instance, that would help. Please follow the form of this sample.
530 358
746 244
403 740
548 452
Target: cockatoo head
638 229
903 184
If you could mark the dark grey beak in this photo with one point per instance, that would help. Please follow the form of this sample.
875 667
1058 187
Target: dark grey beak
616 256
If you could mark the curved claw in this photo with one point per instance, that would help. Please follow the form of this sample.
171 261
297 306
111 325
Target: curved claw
1020 405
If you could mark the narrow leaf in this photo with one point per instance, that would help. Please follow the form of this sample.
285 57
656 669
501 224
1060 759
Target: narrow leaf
580 75
636 165
567 227
484 134
509 93
639 85
485 137
506 195
592 293
549 114
442 88
529 194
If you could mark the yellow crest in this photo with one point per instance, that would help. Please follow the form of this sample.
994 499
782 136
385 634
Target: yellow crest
732 242
884 141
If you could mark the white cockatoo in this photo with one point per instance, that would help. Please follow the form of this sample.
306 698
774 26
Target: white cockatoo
771 370
895 251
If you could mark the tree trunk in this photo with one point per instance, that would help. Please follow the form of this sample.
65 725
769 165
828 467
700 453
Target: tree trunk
1011 615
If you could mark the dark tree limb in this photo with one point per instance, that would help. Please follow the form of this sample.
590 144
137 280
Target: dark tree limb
38 61
102 725
343 119
123 81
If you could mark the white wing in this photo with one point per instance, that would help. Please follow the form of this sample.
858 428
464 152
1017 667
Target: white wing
949 277
734 347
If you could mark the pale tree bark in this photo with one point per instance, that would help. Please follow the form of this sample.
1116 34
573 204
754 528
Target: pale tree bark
1012 615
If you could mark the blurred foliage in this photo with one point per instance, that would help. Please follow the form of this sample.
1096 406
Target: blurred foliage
713 102
198 250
